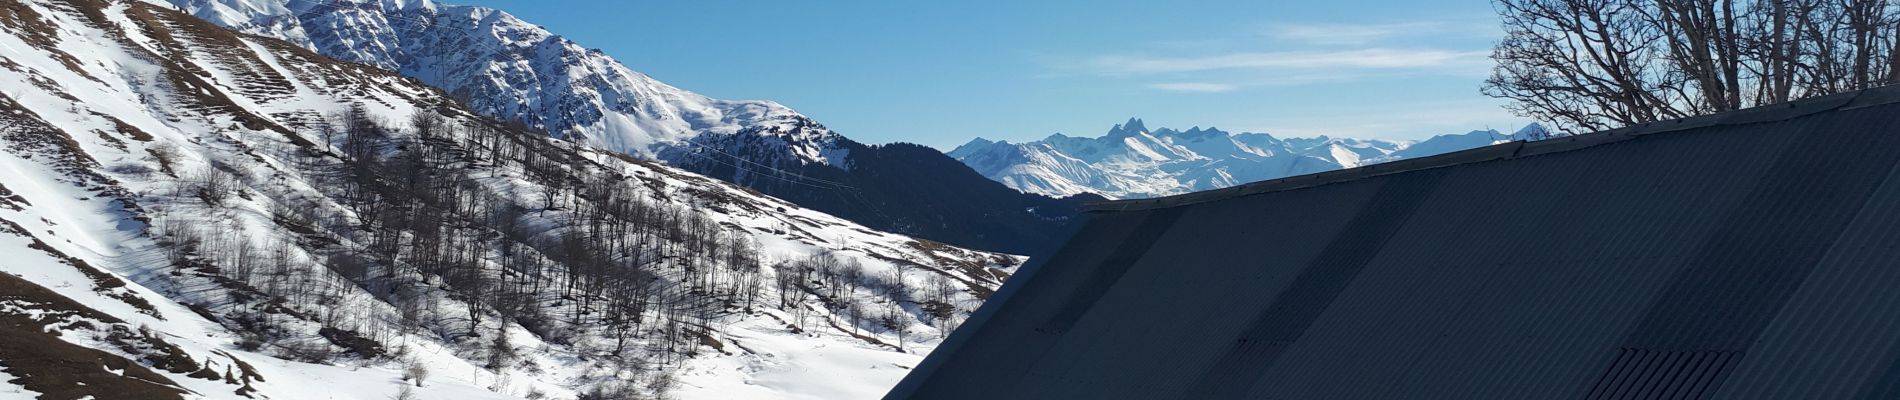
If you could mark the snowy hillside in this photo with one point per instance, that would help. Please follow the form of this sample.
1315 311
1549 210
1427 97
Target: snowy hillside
1131 161
510 69
192 213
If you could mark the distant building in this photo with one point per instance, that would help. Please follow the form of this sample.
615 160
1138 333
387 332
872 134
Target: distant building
1746 255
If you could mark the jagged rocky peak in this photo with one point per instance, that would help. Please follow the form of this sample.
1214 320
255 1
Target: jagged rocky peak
1133 127
1195 133
975 145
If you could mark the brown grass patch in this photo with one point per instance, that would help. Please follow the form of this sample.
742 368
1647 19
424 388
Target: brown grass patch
41 362
127 129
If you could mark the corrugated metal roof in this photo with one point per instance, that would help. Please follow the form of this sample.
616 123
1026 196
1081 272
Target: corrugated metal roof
1753 254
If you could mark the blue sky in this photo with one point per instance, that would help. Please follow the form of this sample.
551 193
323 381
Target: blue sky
940 73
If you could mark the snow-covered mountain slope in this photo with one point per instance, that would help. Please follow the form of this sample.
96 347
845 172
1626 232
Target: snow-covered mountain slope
513 70
1131 161
503 66
202 214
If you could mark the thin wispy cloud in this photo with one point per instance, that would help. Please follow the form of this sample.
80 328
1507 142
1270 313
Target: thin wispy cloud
1376 58
1290 54
1361 34
1194 87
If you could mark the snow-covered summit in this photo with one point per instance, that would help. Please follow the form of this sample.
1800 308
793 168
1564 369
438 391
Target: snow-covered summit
507 68
1132 161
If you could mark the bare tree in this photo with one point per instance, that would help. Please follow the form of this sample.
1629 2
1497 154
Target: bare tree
941 303
1596 64
404 217
212 185
404 392
897 321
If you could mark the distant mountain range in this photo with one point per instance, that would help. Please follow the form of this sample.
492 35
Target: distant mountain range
1133 161
505 67
900 187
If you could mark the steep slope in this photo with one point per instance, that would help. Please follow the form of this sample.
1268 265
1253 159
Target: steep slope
206 214
502 66
1131 161
510 69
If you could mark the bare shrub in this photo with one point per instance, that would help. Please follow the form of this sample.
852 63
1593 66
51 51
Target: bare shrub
166 155
413 370
211 185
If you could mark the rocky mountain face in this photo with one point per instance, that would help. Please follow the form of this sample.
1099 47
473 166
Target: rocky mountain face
508 68
899 187
501 66
189 212
1133 161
